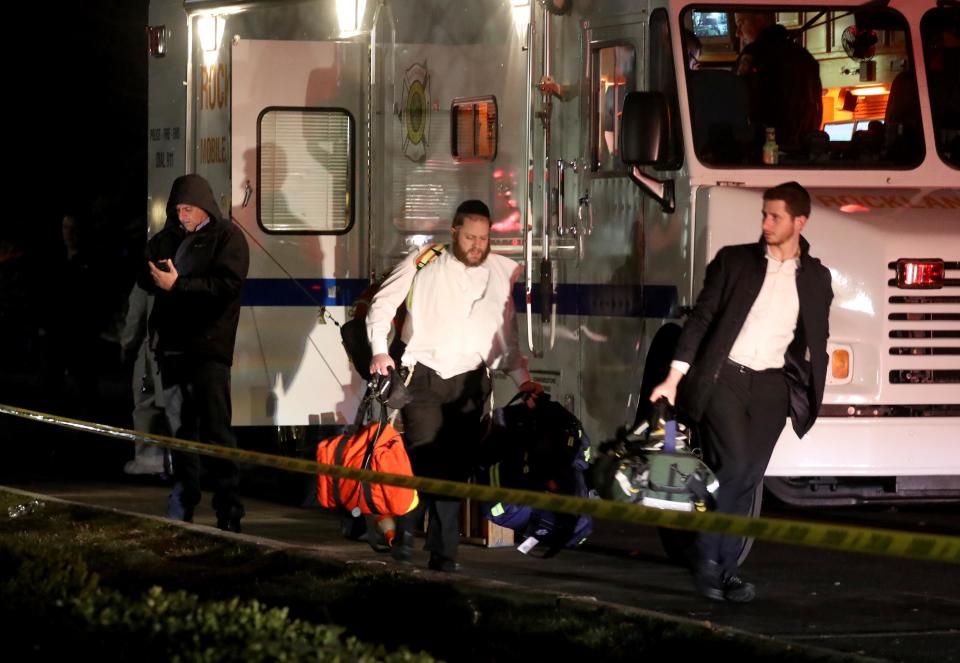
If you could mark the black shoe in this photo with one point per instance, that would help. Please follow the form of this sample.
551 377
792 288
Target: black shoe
229 521
707 578
710 582
175 507
738 590
229 525
438 563
402 548
181 513
402 556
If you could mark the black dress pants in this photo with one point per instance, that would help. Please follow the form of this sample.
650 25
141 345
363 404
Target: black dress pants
739 429
203 387
441 429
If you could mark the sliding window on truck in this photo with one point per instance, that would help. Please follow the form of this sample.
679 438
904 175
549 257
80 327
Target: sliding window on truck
940 32
826 87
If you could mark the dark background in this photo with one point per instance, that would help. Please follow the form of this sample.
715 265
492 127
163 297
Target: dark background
77 108
84 114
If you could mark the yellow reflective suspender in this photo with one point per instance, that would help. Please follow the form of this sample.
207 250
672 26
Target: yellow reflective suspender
432 252
422 261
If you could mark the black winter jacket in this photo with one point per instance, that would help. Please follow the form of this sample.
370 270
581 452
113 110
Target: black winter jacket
199 315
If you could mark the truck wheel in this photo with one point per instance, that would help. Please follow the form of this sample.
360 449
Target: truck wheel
747 543
679 544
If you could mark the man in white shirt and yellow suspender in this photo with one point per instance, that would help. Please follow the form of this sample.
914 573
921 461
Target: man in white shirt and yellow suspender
460 324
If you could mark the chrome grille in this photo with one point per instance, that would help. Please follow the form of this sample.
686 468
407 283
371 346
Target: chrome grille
925 324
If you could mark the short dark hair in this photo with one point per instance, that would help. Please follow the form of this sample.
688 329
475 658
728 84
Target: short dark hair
691 42
794 196
470 208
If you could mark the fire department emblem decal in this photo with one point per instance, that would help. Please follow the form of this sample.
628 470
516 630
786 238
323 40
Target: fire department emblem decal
416 111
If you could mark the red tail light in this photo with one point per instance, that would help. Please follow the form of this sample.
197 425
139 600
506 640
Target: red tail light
926 273
157 36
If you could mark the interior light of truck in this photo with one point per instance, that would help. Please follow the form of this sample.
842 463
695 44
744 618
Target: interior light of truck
854 208
869 91
350 16
841 364
521 17
925 273
210 30
157 40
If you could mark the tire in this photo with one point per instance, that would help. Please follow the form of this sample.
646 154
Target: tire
747 542
679 545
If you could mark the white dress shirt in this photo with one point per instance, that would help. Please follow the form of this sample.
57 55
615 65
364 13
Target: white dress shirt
770 325
459 317
768 330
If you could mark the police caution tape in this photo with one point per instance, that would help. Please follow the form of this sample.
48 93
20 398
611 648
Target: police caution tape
852 539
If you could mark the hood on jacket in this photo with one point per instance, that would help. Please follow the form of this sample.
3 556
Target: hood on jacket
193 190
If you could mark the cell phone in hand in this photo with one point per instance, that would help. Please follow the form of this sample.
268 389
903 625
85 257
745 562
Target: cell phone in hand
162 266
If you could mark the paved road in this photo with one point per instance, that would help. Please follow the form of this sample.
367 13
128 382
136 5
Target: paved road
894 609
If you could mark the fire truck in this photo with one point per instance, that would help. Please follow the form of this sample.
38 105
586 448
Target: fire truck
341 135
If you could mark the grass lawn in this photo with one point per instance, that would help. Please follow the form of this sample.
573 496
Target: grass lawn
82 580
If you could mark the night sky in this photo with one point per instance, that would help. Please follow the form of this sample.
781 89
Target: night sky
76 98
85 109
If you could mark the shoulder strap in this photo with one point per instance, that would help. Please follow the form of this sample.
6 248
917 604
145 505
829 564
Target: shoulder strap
429 254
424 259
368 457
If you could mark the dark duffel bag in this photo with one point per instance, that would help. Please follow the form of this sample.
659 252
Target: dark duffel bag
543 448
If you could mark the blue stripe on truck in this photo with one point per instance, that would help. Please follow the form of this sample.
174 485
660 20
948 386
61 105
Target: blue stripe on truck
589 299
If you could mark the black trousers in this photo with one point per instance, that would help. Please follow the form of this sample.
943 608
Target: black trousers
739 429
441 429
203 388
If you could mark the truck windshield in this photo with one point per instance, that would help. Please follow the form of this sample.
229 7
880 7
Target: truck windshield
940 30
826 87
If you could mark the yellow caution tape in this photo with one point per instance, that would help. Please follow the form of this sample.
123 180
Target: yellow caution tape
934 547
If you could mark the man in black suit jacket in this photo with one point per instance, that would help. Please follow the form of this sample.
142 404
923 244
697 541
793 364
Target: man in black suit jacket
753 352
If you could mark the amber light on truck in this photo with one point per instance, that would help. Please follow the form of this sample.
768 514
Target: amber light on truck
841 364
926 273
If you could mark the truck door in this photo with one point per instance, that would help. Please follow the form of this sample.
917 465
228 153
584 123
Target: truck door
609 209
297 129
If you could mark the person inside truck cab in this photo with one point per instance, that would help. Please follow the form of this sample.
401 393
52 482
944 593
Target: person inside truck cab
941 39
904 133
693 47
783 81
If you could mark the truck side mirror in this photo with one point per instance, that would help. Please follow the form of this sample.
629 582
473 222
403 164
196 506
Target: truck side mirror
644 128
645 140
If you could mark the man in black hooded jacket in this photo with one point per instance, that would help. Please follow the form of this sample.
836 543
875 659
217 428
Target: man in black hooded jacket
196 266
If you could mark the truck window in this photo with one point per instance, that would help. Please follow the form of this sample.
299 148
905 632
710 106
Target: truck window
940 32
614 75
663 78
827 87
473 134
305 170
